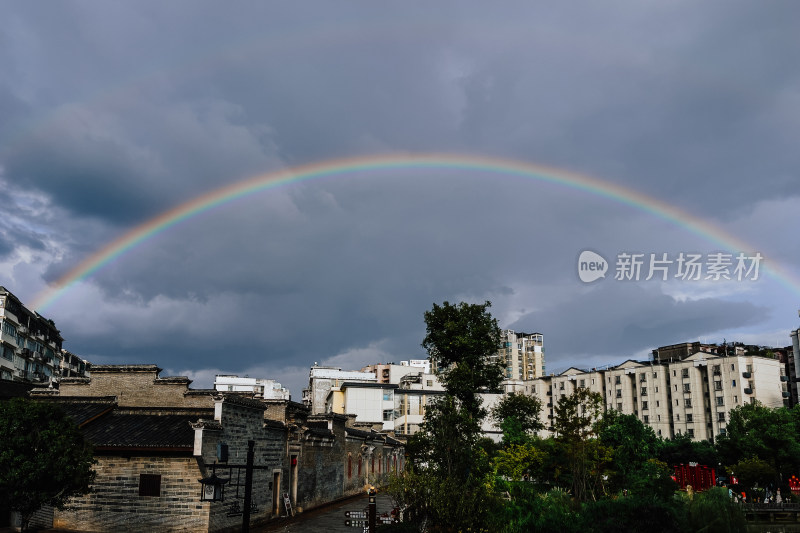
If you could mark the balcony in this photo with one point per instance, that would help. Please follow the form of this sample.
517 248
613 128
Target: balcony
748 390
786 394
784 378
22 330
747 375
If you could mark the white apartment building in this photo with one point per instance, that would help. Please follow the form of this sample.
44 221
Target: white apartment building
321 379
268 389
392 373
30 346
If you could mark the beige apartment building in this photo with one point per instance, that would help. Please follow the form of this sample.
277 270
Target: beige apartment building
522 355
692 395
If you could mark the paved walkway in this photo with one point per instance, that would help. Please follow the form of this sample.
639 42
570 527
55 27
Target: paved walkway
328 519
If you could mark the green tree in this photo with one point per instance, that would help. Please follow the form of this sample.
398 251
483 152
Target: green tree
632 442
586 457
518 416
460 340
771 434
448 482
43 457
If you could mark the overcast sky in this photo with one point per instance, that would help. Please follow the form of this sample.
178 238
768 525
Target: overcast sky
114 112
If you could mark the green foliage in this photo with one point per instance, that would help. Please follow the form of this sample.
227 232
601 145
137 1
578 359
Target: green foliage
445 504
43 457
681 449
518 412
529 511
754 471
632 513
713 511
585 456
518 459
448 483
633 444
758 431
460 338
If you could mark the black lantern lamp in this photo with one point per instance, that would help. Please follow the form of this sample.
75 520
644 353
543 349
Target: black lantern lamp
212 488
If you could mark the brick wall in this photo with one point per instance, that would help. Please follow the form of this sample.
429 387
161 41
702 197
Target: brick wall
115 505
137 385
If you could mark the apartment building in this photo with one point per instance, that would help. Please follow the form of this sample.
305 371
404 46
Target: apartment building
683 394
521 354
30 344
321 379
268 389
392 373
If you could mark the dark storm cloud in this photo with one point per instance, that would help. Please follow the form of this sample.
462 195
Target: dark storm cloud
113 113
627 318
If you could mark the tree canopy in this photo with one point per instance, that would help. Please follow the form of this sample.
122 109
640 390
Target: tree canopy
43 457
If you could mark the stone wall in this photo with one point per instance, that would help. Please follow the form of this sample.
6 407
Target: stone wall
239 420
115 504
137 386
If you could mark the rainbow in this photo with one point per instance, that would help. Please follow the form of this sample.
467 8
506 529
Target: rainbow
339 167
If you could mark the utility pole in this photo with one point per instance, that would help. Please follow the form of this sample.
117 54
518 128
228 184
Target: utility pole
248 487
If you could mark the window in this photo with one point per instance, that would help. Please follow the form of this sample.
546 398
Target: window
733 367
617 380
619 407
678 418
735 399
561 386
582 383
658 417
619 393
9 329
655 374
7 352
717 385
149 484
644 391
689 418
733 383
716 370
687 402
642 377
349 466
685 373
690 432
646 419
387 396
686 388
720 400
429 383
658 404
673 373
388 415
720 417
644 405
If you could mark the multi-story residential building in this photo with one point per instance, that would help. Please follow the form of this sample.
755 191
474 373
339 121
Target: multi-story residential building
268 389
321 379
682 394
392 373
73 366
641 389
30 345
521 354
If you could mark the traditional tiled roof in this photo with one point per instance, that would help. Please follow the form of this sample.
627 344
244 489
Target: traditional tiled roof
84 412
125 430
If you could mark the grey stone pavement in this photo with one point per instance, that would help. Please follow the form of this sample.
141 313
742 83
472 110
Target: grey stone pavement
328 519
